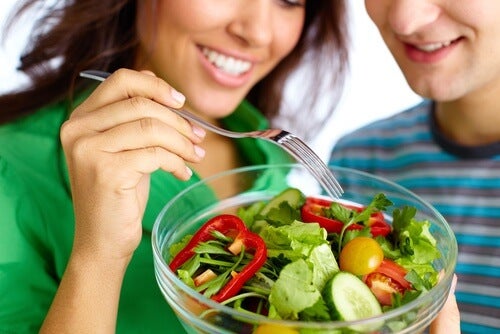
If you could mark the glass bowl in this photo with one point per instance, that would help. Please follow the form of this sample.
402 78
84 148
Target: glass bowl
225 192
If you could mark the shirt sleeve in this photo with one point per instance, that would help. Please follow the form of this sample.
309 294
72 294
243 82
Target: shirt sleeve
27 283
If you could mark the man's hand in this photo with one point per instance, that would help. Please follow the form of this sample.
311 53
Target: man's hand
448 319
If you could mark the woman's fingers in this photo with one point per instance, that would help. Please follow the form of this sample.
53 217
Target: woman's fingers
127 113
124 84
142 133
129 95
133 110
147 160
107 173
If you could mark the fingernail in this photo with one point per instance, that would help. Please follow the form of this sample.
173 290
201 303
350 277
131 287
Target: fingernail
199 132
199 151
177 96
189 171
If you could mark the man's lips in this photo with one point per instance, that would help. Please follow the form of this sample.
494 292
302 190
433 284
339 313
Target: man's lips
430 52
433 46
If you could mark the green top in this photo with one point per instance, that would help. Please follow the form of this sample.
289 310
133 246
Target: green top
37 223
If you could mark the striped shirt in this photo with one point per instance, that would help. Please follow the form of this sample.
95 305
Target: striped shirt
463 184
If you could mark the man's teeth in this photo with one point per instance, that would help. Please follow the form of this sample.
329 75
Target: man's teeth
432 46
227 64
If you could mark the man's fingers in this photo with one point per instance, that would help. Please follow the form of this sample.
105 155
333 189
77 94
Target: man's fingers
448 319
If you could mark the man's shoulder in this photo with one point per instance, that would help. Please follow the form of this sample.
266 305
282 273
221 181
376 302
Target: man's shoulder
407 118
411 119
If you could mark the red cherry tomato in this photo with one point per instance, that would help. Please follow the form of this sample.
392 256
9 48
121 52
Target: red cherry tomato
387 279
314 208
361 256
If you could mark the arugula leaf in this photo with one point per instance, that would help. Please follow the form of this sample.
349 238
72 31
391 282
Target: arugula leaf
185 276
177 247
192 265
211 248
211 287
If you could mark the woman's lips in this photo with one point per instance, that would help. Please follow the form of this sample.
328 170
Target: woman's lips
225 69
430 52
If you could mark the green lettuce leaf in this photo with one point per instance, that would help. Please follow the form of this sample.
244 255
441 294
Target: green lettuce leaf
294 291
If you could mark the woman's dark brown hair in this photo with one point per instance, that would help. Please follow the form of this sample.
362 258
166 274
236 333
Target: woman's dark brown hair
71 36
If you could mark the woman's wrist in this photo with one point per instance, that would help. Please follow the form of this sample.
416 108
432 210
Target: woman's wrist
88 295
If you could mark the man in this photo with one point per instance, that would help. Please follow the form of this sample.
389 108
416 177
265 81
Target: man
446 149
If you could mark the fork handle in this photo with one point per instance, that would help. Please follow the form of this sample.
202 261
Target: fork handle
95 75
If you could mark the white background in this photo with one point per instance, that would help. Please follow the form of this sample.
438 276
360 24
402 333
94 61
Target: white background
375 87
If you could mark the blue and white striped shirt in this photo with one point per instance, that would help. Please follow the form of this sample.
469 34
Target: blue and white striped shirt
463 184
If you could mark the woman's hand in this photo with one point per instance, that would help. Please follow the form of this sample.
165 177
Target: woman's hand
112 142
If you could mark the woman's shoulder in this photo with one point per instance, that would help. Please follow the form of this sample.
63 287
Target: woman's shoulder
44 120
32 133
30 148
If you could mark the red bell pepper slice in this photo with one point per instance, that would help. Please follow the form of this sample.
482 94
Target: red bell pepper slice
313 210
231 226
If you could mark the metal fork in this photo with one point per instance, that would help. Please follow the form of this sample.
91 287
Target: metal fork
289 142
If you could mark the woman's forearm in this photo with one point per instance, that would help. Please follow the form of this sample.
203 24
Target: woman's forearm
87 298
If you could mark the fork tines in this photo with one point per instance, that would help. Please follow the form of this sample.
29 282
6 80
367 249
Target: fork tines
304 154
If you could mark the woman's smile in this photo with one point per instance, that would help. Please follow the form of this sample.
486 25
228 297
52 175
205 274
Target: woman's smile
225 63
226 70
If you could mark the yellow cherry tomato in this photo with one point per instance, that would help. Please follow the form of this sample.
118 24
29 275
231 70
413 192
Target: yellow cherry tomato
361 256
274 329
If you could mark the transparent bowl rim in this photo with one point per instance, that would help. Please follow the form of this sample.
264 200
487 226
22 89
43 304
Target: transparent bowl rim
444 283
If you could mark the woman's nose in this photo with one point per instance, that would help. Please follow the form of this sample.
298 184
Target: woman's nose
253 24
408 16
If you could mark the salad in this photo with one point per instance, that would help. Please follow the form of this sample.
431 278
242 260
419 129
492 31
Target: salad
310 259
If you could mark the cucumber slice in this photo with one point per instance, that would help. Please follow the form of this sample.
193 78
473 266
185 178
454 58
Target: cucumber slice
348 298
293 196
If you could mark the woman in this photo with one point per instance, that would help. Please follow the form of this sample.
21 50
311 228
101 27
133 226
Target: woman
77 212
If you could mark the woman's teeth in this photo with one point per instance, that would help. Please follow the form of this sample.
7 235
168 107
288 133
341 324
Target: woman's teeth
226 64
432 46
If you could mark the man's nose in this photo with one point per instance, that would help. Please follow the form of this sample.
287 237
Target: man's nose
408 16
